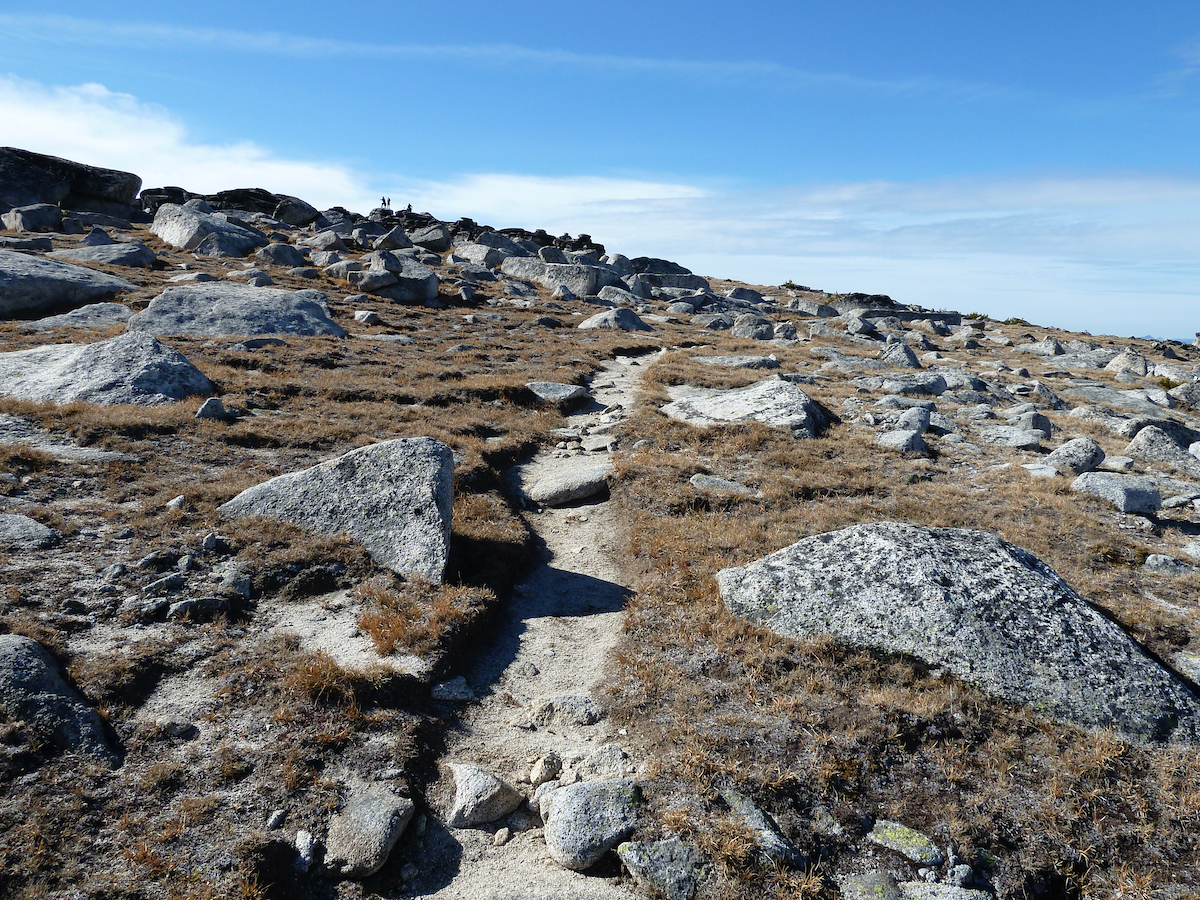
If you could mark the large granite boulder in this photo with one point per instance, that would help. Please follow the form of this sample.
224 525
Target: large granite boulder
32 690
220 309
130 253
778 403
393 497
27 177
187 229
973 604
29 284
130 368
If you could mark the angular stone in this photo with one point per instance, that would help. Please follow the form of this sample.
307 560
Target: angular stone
480 797
908 441
28 177
570 486
1155 445
1076 456
773 845
670 868
435 237
33 690
218 309
777 403
394 498
1011 436
718 485
29 284
39 217
588 819
1128 493
870 886
364 832
130 368
975 605
278 254
908 842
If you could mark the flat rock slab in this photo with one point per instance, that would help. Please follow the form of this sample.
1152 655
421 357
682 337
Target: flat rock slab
94 315
1138 401
1011 436
218 309
738 362
1128 493
969 602
363 834
130 368
778 403
134 254
588 819
29 284
33 690
23 533
15 430
557 394
571 486
394 498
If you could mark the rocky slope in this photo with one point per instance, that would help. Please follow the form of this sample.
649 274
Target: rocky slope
377 555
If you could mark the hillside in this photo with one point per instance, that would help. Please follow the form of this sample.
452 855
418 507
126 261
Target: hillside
455 590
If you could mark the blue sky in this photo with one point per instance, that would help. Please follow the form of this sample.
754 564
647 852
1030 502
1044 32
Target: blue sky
1033 160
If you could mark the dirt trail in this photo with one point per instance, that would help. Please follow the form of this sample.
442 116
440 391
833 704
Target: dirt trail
557 638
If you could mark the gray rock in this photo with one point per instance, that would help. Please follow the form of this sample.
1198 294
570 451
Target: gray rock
870 886
14 430
545 769
456 690
811 308
915 418
1138 401
932 383
394 497
778 403
561 395
587 820
607 761
568 709
325 242
29 284
1076 456
1011 436
33 690
219 309
130 368
621 318
396 239
905 441
618 296
1128 493
773 845
134 254
718 485
739 362
94 315
21 533
1161 564
294 211
1040 470
480 797
481 254
909 843
670 868
281 255
752 328
364 832
1033 421
212 408
1129 360
713 321
901 356
570 486
414 282
1155 445
580 279
187 229
923 890
435 237
973 604
38 217
28 177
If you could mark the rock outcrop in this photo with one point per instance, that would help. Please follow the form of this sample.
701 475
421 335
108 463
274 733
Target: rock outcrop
29 284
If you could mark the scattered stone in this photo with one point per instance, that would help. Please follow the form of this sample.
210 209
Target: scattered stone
1020 631
187 229
130 368
570 486
32 690
607 761
670 868
718 485
1161 564
620 317
37 217
363 834
870 886
906 841
588 819
134 254
773 845
570 709
1128 493
909 441
1155 445
1076 456
394 497
456 690
212 408
1011 436
480 797
94 315
778 403
21 533
545 769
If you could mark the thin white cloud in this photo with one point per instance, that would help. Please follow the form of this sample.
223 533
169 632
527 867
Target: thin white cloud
59 29
90 123
1114 254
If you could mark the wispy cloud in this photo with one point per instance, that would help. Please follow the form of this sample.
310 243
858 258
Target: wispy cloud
1114 254
58 29
1176 80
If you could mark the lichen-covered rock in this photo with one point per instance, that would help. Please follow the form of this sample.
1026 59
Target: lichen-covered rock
130 368
773 845
974 604
32 690
908 842
394 497
363 834
561 395
669 868
588 819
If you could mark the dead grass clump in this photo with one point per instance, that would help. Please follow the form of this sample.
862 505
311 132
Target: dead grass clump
417 617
